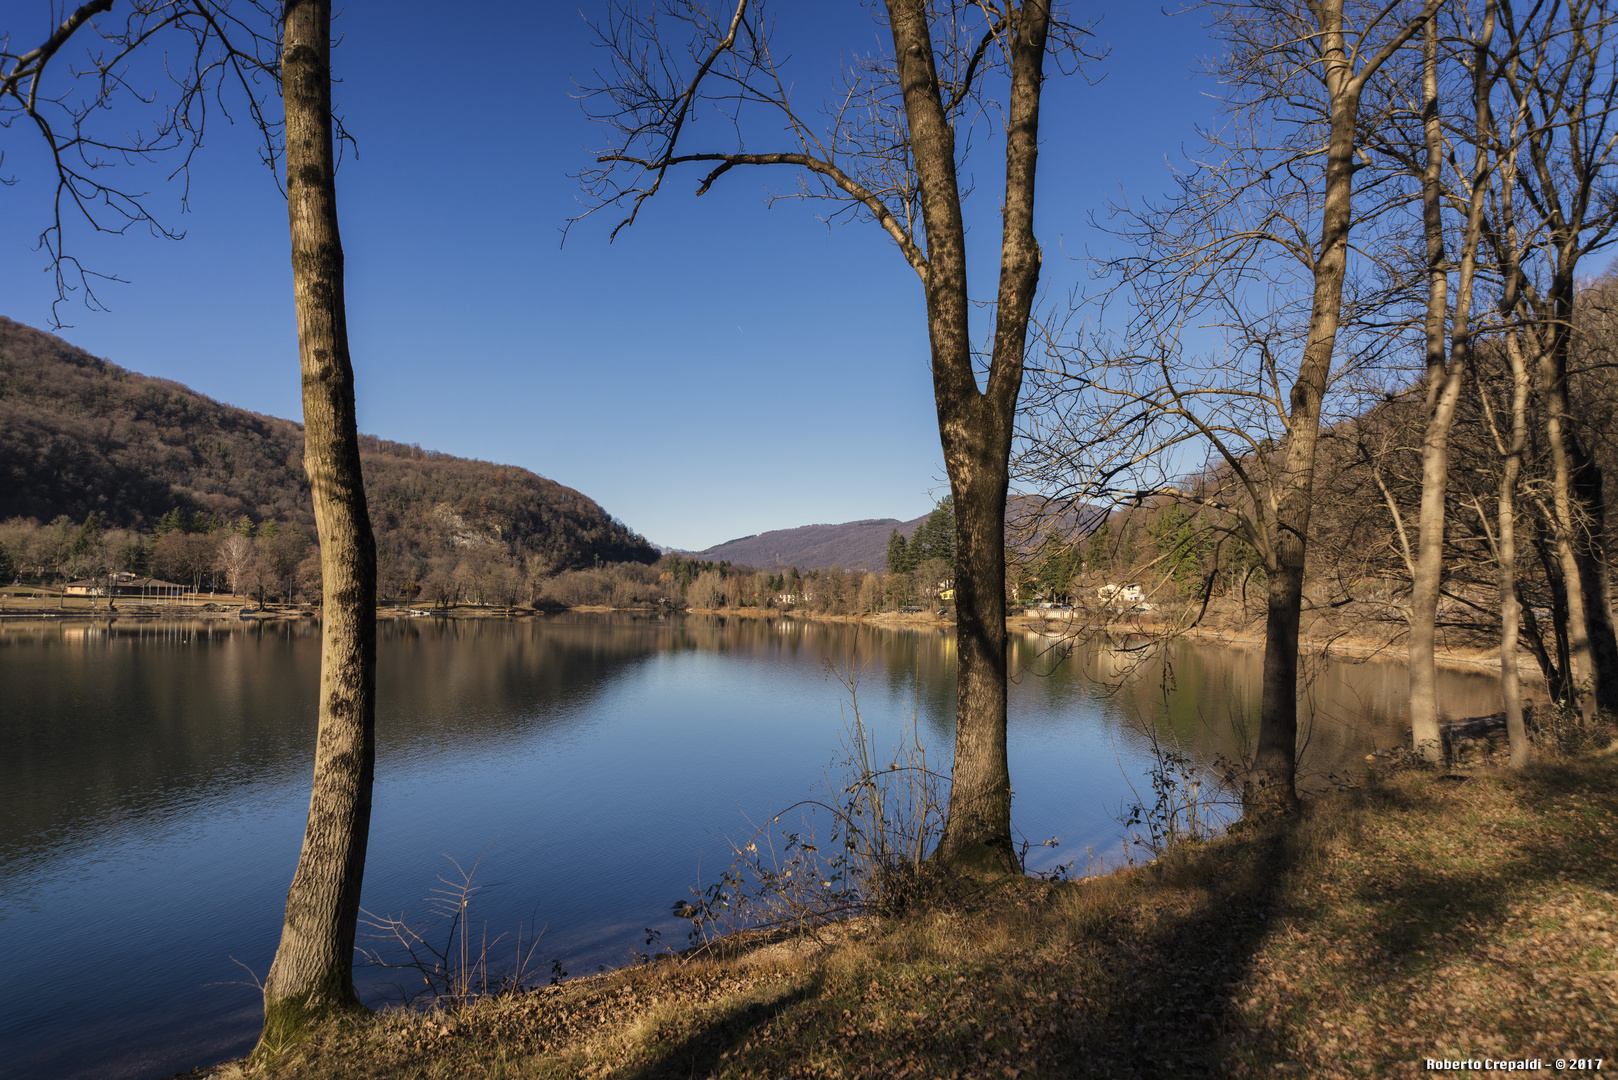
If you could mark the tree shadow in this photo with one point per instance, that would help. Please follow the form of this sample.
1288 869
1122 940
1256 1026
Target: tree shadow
702 1052
1169 991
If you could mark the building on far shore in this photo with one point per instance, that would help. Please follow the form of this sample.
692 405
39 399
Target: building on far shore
129 586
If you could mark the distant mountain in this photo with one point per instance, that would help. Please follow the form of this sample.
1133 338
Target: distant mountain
80 434
863 545
853 545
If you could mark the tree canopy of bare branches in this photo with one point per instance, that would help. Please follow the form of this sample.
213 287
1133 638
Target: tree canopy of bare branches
694 88
120 99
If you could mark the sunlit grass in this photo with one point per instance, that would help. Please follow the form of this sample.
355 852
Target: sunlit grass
1414 916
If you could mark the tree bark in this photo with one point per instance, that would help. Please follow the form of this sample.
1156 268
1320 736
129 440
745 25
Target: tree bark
1510 604
1443 380
1589 552
1564 524
1443 392
975 426
1270 788
1568 81
312 974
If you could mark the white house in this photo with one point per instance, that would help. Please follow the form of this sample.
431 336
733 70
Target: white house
1123 598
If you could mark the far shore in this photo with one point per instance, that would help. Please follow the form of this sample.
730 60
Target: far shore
1320 639
1323 637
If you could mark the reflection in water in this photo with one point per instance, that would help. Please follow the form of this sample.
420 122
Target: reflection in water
152 803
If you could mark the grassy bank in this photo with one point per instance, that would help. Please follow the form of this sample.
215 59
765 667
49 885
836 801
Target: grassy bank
1419 915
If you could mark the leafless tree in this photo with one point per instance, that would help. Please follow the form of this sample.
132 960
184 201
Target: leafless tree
252 48
312 975
1412 137
232 556
887 147
1560 99
1252 263
108 89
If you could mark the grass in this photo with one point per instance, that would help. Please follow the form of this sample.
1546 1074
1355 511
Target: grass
1419 915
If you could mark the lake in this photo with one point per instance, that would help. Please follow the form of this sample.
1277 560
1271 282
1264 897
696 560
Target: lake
156 778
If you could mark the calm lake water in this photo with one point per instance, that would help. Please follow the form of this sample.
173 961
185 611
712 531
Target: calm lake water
156 776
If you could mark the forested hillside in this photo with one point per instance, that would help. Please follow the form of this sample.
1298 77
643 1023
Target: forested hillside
80 435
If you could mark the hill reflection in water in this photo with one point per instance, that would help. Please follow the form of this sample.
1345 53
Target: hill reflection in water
152 803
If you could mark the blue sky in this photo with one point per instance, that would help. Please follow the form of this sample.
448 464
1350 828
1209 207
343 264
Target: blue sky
722 368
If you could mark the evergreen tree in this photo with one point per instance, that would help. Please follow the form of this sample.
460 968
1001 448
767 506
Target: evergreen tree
1098 555
168 523
86 538
1179 543
1126 547
899 554
1057 569
935 537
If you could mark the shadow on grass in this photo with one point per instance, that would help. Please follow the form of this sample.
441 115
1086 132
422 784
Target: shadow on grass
1169 998
702 1052
1436 891
1446 913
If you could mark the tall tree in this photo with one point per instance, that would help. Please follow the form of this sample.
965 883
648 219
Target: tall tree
1565 92
1256 243
1447 331
313 969
312 975
1343 71
890 153
898 553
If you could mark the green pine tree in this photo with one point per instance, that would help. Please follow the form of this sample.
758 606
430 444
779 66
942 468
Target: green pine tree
86 537
1098 554
168 523
900 559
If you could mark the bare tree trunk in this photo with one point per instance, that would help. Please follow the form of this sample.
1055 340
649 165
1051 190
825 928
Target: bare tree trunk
1560 679
1270 788
1553 380
1443 392
1563 99
1510 605
1589 551
1443 381
975 426
312 974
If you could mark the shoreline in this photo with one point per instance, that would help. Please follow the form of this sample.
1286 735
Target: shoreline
1227 956
1348 647
1476 659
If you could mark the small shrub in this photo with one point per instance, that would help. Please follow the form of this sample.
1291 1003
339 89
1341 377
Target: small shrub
438 947
881 818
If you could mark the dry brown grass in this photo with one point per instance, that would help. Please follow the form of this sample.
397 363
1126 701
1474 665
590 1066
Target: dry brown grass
1419 915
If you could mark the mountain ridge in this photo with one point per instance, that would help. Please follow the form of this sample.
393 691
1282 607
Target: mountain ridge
80 434
853 545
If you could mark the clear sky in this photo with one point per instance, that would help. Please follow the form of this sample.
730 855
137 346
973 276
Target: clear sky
723 368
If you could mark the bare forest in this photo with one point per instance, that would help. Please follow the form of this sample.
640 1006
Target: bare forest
110 471
1353 379
1361 357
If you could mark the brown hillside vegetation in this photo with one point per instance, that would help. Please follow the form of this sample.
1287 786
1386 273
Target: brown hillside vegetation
853 545
1420 915
79 435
